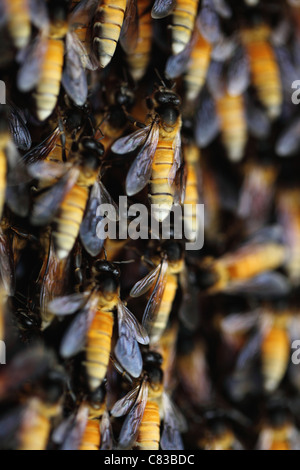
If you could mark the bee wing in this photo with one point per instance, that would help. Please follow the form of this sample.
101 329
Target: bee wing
89 235
128 353
222 8
266 285
250 351
177 64
68 304
216 82
42 150
39 14
73 438
174 422
75 337
122 406
133 420
239 322
18 128
265 440
130 28
258 122
127 319
17 179
74 77
106 432
288 71
156 296
162 8
83 12
140 171
131 142
238 73
177 162
208 22
47 203
142 286
206 122
289 141
31 58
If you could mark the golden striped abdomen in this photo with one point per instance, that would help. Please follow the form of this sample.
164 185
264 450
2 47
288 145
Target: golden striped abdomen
264 70
158 326
233 125
98 347
91 438
48 88
149 432
138 60
107 27
191 195
184 16
161 193
198 66
275 357
69 219
19 24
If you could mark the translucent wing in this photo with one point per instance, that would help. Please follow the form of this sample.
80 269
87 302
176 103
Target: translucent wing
106 432
156 296
31 58
258 122
127 350
130 28
162 8
69 304
48 202
238 74
7 266
174 422
39 14
18 128
250 350
238 323
42 150
131 142
209 22
267 285
140 171
88 229
122 406
75 337
142 286
73 439
177 64
289 141
127 318
222 8
74 77
133 420
206 122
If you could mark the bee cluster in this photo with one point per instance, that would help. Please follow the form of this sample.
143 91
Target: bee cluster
121 343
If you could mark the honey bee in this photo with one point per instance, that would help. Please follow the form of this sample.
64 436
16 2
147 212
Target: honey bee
220 434
139 58
49 47
163 282
160 156
148 404
77 181
89 428
278 431
248 269
19 15
264 68
14 177
193 62
93 325
288 205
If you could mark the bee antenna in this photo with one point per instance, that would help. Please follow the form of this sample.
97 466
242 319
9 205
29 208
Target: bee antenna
125 262
105 253
160 77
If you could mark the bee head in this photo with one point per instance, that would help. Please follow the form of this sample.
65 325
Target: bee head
152 362
105 267
91 151
173 250
58 10
54 384
97 397
206 277
124 97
